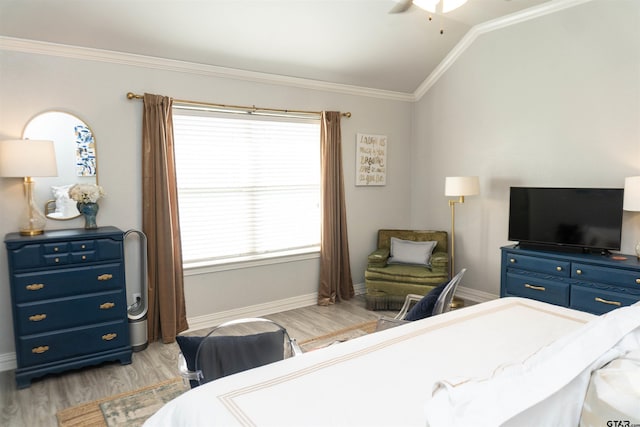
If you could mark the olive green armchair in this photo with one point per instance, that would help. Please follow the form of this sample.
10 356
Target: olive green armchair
388 280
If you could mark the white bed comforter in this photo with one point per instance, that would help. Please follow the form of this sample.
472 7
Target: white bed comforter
548 388
381 379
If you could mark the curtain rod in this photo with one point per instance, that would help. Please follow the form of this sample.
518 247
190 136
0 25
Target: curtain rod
253 108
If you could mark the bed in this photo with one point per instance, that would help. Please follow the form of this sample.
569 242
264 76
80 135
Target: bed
462 366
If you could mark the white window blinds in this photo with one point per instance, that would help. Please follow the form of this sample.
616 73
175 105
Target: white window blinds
247 186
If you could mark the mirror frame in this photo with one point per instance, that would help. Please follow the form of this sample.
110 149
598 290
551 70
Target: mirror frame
66 157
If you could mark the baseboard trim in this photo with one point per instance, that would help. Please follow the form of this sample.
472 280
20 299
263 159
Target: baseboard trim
475 295
257 310
8 362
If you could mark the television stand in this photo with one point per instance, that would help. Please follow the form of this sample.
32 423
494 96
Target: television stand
592 282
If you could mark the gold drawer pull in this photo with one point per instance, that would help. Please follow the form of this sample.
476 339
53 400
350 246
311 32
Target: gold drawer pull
535 288
37 317
109 337
105 277
34 286
558 268
578 271
512 260
83 247
40 350
604 301
56 249
107 305
84 257
638 281
57 260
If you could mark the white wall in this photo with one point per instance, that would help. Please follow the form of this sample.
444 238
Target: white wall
95 91
554 101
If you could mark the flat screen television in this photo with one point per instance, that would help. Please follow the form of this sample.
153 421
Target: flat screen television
572 219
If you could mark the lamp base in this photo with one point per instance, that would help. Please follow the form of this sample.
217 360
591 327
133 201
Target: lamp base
33 221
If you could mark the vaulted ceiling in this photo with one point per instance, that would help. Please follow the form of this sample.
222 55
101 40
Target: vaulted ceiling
350 42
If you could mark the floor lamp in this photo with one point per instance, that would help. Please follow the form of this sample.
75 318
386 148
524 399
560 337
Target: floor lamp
631 201
25 158
458 186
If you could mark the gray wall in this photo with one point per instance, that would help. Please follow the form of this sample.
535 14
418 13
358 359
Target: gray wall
95 91
554 101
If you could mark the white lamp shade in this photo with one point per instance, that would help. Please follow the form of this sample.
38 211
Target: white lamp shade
27 157
631 194
461 186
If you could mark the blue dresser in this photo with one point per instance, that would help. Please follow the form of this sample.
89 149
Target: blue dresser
69 300
588 282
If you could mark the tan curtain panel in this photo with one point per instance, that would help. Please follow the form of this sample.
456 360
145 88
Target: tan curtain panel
167 313
335 271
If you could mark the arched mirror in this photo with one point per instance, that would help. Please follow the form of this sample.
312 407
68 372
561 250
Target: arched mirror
75 147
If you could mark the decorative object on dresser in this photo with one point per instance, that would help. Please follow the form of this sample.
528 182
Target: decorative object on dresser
632 199
86 196
458 186
594 283
405 262
25 159
69 300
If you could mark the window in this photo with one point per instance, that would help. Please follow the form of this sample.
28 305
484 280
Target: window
248 186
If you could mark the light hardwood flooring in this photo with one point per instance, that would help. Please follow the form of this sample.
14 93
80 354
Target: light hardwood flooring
37 405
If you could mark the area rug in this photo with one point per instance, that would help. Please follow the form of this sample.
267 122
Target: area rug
339 336
132 408
125 409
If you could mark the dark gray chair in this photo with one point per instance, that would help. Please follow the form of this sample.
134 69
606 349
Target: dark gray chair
233 347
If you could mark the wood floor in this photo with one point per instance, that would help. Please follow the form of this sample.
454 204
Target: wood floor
37 405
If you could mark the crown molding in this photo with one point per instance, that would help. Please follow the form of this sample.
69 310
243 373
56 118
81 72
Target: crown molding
544 9
164 64
91 54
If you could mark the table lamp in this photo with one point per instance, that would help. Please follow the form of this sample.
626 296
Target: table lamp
631 199
26 158
458 186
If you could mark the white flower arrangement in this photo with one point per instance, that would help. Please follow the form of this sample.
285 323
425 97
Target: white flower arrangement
86 193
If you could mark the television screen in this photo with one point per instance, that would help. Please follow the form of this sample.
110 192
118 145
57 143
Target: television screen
586 218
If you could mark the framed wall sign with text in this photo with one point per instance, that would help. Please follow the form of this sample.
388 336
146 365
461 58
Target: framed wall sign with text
371 159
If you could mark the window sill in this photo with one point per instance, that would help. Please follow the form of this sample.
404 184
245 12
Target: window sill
205 267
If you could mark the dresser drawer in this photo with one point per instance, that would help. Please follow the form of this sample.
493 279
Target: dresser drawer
64 313
36 286
64 253
598 301
537 288
614 276
45 348
541 265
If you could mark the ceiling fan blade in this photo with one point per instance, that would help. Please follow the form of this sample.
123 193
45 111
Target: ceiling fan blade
401 6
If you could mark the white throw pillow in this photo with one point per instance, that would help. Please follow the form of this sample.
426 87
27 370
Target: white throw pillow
410 252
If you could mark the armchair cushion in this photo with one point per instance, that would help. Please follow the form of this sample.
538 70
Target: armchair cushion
411 252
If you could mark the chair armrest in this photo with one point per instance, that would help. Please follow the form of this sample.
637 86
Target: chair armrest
185 373
378 258
440 262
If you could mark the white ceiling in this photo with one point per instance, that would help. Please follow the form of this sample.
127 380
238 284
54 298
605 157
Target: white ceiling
351 42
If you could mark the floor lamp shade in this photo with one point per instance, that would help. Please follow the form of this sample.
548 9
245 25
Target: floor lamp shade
457 186
631 201
25 158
